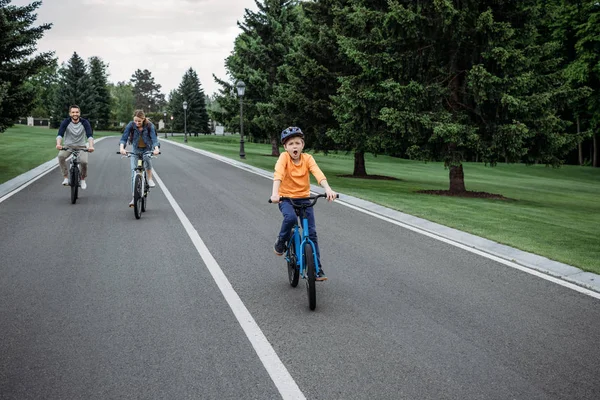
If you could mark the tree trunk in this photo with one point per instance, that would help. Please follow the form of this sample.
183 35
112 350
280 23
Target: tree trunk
457 179
274 146
359 164
595 162
579 144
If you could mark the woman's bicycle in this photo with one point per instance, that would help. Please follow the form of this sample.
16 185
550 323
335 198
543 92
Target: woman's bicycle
74 172
140 185
301 255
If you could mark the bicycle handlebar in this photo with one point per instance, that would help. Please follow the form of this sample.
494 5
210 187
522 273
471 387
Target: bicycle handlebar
74 149
129 153
312 203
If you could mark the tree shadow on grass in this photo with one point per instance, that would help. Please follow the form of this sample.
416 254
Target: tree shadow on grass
374 177
467 194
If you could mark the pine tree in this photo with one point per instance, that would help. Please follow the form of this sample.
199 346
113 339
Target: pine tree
18 43
146 91
309 76
99 79
451 80
190 90
75 88
259 51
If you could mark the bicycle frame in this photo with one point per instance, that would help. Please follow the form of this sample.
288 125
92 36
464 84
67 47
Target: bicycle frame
299 240
74 172
140 196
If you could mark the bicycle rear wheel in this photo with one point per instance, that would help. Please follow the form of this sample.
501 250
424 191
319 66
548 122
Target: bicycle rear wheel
74 182
310 276
137 197
292 263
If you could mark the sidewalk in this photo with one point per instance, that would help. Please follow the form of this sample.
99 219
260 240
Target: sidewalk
499 252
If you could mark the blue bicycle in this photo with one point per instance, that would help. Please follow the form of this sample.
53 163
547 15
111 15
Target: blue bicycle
300 255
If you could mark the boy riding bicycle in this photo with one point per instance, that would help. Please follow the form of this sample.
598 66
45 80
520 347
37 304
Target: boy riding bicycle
292 179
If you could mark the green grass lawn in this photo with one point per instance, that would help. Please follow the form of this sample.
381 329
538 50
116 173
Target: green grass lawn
551 212
554 212
24 147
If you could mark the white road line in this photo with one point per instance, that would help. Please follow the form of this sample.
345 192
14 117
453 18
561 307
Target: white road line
279 374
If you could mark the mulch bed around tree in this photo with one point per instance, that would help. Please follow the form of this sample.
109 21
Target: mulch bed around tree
477 195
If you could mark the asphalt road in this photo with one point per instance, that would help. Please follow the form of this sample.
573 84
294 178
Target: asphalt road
95 304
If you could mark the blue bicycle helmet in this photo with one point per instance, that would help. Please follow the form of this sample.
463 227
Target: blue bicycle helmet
290 132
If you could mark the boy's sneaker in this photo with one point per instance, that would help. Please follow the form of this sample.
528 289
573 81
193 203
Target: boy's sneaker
321 275
65 182
83 184
279 247
131 203
151 183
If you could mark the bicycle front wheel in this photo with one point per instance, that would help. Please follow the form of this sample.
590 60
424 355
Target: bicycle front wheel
137 197
74 181
144 200
292 262
310 276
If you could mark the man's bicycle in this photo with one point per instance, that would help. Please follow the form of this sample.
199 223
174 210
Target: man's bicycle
74 172
301 254
140 185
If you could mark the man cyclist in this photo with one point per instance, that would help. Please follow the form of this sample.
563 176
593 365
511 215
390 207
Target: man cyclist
73 131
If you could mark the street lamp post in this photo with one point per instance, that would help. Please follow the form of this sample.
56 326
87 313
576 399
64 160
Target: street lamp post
165 121
241 88
171 126
185 121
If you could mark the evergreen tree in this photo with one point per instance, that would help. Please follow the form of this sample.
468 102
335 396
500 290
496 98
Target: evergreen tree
99 79
258 53
374 50
452 80
18 43
309 77
147 92
190 90
578 25
175 108
75 88
228 113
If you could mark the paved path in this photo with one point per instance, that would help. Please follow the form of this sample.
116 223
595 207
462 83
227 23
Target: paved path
190 301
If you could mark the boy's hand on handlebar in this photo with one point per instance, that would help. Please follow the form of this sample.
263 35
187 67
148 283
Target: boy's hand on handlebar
123 151
275 199
91 149
331 195
156 151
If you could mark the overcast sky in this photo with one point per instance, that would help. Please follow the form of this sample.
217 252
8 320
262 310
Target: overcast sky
164 36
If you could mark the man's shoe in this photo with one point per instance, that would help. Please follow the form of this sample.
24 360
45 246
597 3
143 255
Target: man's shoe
151 183
65 182
131 203
83 184
321 275
279 247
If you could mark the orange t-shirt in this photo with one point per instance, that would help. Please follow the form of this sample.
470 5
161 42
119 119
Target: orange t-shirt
295 179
